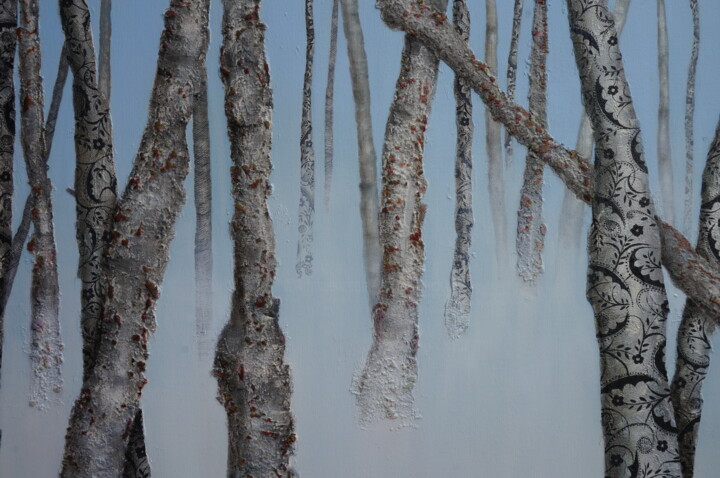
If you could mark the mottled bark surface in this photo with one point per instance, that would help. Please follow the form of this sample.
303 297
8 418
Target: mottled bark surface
512 68
253 379
384 387
690 116
457 307
367 157
693 345
307 155
103 415
625 282
104 79
530 240
45 343
663 139
329 93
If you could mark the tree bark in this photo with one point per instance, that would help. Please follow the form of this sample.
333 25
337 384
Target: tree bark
253 379
690 116
663 139
512 68
104 79
329 93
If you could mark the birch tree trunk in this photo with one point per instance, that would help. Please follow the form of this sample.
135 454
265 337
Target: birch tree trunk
253 379
690 115
329 94
512 68
103 415
663 139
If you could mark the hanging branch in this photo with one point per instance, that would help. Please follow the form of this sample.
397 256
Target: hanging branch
367 157
694 346
384 389
103 415
457 307
307 156
512 68
45 343
663 140
104 81
329 103
689 116
253 379
530 240
496 185
203 217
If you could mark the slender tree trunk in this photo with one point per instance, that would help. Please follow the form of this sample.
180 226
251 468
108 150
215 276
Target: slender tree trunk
693 344
45 343
103 415
512 68
457 307
367 157
253 379
329 93
104 79
690 115
663 140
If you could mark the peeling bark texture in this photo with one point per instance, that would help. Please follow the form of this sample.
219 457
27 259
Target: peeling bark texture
46 348
625 282
694 346
367 157
690 115
8 45
307 156
457 307
690 272
203 217
512 68
384 388
496 184
329 90
104 81
572 211
253 378
530 240
103 415
137 464
663 140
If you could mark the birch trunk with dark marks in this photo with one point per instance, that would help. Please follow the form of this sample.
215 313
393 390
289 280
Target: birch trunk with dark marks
573 210
496 185
329 92
690 116
692 274
663 139
367 157
307 155
530 240
103 415
46 347
512 68
253 378
457 307
8 45
625 282
104 79
203 218
384 387
693 344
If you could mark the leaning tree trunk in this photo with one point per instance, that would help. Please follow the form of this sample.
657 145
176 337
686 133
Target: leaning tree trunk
102 417
253 379
625 282
694 346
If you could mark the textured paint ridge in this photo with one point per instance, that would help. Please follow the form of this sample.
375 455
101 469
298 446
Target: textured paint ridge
253 379
384 388
530 240
457 307
102 417
697 327
367 157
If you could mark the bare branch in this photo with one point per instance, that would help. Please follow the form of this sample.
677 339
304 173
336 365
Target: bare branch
689 116
663 139
329 90
512 68
104 80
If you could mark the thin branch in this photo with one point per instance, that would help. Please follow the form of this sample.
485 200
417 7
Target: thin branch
512 68
329 90
663 139
689 116
104 80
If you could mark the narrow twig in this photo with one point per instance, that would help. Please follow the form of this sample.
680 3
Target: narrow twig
689 117
329 90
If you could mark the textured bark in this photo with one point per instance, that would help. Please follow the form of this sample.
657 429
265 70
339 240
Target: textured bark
329 92
104 81
530 240
45 343
690 116
307 155
693 345
457 307
253 379
512 68
203 217
625 281
384 388
367 157
57 94
496 183
103 415
663 140
13 255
